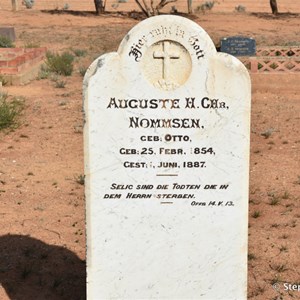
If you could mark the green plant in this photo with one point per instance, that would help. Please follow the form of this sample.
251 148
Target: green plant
286 195
10 111
82 70
3 80
275 225
28 3
79 52
251 256
240 8
267 133
79 179
297 181
208 5
284 236
6 42
44 72
31 45
275 280
275 200
60 84
279 268
60 64
283 249
256 214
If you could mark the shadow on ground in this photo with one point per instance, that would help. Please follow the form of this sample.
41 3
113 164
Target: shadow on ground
31 269
131 14
269 16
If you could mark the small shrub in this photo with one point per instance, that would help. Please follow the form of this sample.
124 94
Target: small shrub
28 3
79 52
283 248
66 6
60 64
208 5
6 42
284 236
275 225
279 267
286 195
82 70
44 72
10 111
251 256
275 200
53 77
3 80
31 45
60 84
256 214
240 8
297 181
79 179
267 133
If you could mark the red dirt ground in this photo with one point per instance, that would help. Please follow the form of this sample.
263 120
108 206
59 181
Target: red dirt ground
42 234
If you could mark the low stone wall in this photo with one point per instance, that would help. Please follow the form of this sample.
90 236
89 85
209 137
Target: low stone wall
19 65
274 59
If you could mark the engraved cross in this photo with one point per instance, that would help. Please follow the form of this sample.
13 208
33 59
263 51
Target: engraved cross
166 55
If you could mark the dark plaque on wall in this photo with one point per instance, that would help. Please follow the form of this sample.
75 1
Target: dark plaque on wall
238 46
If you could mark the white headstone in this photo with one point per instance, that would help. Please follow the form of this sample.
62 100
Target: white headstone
166 165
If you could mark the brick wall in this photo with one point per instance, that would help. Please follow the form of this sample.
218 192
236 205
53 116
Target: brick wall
220 6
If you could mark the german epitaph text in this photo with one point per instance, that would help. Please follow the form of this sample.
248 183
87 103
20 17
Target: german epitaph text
166 166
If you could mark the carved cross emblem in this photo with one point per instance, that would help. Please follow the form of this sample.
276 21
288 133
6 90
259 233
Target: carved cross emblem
166 55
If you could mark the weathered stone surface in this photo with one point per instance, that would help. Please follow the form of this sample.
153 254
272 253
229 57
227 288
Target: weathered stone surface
166 166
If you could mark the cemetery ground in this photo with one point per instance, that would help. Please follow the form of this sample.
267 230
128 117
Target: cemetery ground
42 209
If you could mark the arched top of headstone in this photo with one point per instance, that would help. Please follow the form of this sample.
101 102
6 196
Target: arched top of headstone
163 54
165 50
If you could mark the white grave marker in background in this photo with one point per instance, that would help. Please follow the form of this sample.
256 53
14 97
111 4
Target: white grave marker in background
166 165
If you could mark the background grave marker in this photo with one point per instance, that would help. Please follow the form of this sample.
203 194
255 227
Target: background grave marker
238 46
8 32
